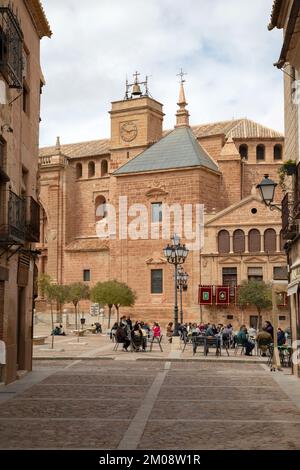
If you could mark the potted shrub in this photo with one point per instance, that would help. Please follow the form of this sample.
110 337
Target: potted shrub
288 168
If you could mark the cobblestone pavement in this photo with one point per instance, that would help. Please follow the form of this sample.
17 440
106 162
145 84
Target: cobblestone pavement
146 404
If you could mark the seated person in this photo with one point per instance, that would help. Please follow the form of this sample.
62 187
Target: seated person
113 331
122 337
137 337
98 327
264 339
281 339
61 331
170 332
242 339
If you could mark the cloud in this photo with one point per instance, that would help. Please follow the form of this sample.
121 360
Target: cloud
224 47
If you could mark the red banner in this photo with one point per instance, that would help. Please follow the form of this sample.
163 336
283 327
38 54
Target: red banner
222 295
205 295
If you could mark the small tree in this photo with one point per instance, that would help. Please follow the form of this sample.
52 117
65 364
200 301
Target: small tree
125 297
258 294
113 293
60 294
47 290
76 292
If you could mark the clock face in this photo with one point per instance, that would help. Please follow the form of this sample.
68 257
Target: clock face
128 131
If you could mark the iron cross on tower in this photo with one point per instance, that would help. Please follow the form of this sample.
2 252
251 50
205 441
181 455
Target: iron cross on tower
181 74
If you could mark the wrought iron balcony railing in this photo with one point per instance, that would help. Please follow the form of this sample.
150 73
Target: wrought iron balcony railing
33 221
289 228
11 48
13 225
297 193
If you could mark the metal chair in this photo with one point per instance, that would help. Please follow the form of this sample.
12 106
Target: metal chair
198 341
241 347
156 339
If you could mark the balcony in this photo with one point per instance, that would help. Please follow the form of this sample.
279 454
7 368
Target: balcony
12 225
11 48
33 221
289 228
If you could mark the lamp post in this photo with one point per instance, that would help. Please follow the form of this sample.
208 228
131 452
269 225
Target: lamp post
176 254
267 191
182 282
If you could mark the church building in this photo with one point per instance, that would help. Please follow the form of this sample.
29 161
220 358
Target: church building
214 166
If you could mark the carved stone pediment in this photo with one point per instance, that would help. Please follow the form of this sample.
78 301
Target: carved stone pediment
154 192
156 261
277 259
255 259
230 260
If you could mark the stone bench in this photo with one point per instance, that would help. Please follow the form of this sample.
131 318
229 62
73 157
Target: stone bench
39 340
79 332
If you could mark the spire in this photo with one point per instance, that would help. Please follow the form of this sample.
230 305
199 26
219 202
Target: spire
182 115
57 146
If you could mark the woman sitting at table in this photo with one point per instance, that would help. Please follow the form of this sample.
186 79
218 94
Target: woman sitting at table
242 339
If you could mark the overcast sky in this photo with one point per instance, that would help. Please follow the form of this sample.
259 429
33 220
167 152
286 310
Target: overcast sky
224 46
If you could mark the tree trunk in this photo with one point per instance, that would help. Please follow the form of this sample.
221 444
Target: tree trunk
118 312
109 316
259 320
52 327
76 316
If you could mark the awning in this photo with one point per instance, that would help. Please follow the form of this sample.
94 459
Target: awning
292 288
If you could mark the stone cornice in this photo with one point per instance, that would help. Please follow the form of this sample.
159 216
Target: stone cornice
39 18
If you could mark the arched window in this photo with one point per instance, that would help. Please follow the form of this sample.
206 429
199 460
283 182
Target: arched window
243 149
78 171
91 169
260 152
104 168
282 241
254 241
100 208
270 240
223 242
278 152
238 241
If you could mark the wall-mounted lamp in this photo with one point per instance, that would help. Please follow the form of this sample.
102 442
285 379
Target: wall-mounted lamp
7 128
267 191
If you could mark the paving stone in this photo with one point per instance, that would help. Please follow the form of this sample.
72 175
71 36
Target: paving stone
222 393
79 391
234 410
81 408
219 435
219 381
93 379
61 434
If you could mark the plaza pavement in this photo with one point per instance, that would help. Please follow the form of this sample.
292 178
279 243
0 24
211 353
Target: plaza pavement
150 404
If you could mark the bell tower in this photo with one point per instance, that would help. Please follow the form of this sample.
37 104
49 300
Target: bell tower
136 122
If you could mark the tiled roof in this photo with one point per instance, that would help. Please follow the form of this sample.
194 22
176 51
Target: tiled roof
39 17
81 149
178 149
275 13
237 129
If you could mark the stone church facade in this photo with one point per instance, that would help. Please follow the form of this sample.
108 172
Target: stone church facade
216 165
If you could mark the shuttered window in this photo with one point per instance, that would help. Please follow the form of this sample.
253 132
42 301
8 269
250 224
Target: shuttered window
254 241
270 240
156 281
223 242
238 241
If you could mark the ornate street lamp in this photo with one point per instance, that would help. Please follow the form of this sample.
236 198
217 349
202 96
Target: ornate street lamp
182 284
267 191
176 254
